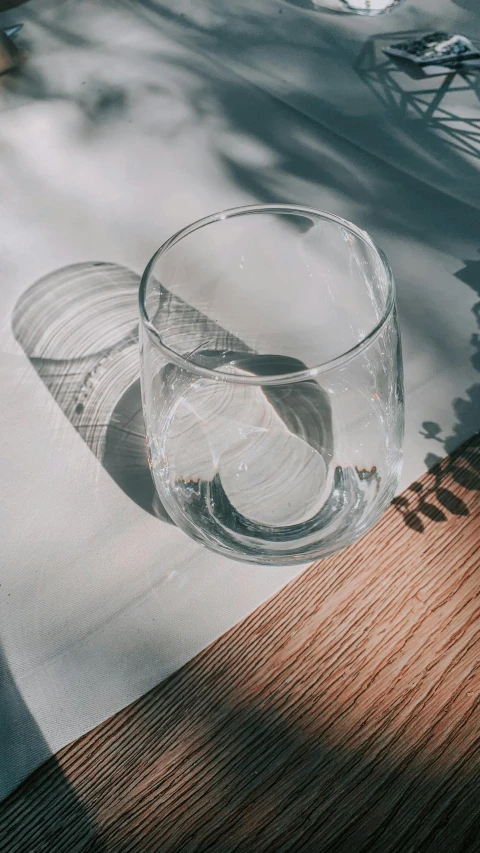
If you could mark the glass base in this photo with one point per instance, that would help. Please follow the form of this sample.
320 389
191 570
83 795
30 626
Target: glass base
370 7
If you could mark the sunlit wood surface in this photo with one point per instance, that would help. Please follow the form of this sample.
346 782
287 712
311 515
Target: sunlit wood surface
343 715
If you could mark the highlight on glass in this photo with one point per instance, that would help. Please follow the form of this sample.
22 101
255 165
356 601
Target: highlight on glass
272 382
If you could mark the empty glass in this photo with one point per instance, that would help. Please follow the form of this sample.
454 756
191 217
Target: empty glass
272 382
371 7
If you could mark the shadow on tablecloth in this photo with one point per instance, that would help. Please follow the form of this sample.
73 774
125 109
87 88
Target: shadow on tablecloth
430 99
79 328
21 742
437 503
22 746
272 151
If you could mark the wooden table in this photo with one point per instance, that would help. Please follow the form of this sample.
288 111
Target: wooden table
343 715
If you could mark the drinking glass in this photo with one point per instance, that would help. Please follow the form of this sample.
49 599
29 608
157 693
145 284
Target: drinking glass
371 7
272 381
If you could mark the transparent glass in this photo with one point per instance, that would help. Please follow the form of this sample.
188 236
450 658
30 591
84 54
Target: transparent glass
272 382
371 7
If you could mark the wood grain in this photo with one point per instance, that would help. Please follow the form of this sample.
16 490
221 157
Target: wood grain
343 715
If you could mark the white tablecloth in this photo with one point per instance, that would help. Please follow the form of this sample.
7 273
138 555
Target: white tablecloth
129 120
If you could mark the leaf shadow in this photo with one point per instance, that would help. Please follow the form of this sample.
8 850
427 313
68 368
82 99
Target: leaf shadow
433 500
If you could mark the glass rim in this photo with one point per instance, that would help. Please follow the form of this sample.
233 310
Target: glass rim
281 378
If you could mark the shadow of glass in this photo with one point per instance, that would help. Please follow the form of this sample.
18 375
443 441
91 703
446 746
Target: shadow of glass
79 328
